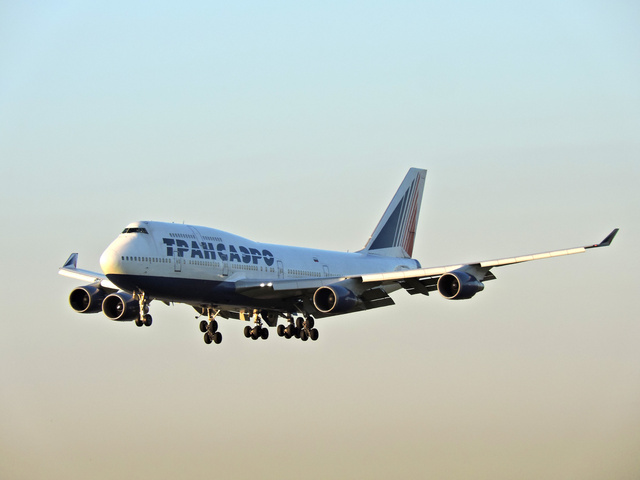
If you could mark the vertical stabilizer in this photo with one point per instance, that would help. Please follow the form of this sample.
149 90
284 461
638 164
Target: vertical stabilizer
396 232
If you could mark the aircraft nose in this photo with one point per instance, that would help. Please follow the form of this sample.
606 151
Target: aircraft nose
110 261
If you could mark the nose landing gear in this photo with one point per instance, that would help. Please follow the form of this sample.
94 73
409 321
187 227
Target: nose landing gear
144 319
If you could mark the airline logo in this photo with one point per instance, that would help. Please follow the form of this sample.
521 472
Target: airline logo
209 251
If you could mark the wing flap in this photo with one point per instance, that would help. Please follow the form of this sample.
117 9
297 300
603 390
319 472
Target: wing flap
375 298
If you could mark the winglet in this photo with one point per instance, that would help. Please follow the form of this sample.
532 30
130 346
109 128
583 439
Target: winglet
72 261
607 241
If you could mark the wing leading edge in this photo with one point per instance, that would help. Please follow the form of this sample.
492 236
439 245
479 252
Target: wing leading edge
479 270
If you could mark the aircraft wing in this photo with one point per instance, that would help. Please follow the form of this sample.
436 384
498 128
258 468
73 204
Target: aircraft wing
373 288
423 280
69 269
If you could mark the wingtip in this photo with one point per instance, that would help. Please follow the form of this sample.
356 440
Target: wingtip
72 261
607 240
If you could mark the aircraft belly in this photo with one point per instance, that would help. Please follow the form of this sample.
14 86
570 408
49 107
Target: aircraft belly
193 291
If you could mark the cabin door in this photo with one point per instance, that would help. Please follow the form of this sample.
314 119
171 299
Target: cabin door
280 269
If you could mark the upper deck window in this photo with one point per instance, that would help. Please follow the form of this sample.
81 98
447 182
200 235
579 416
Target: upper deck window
135 230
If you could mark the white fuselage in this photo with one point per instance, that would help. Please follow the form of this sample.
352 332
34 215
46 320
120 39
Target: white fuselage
177 262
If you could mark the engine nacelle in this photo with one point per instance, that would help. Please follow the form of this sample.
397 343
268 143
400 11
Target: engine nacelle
334 299
459 285
87 299
121 307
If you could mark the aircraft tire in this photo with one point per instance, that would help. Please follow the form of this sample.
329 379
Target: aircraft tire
148 320
217 338
299 323
280 330
314 334
303 336
255 333
310 322
139 322
247 331
213 326
207 338
203 326
264 333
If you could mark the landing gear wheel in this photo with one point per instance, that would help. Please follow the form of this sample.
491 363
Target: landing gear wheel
213 326
264 333
310 322
280 330
203 326
217 338
299 323
313 334
303 335
207 338
247 331
139 322
255 333
148 320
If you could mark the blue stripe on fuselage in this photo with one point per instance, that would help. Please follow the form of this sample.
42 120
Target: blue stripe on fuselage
194 291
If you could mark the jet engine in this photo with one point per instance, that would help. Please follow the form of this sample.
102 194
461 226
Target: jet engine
87 299
459 285
121 307
334 299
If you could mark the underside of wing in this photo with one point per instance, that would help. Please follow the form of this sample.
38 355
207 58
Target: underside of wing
322 296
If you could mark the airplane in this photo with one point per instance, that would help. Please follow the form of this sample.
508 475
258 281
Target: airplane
222 275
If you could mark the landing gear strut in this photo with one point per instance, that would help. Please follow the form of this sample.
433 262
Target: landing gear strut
144 318
210 328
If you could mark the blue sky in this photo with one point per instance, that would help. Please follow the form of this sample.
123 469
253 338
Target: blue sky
295 123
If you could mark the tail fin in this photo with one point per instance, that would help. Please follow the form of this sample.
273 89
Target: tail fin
396 231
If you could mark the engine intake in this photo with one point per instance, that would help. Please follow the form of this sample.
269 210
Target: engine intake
121 307
459 286
87 299
334 299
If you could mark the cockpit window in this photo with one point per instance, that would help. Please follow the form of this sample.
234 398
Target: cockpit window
135 230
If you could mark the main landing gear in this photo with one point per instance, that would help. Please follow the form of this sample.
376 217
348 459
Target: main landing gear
144 319
258 331
210 328
300 328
